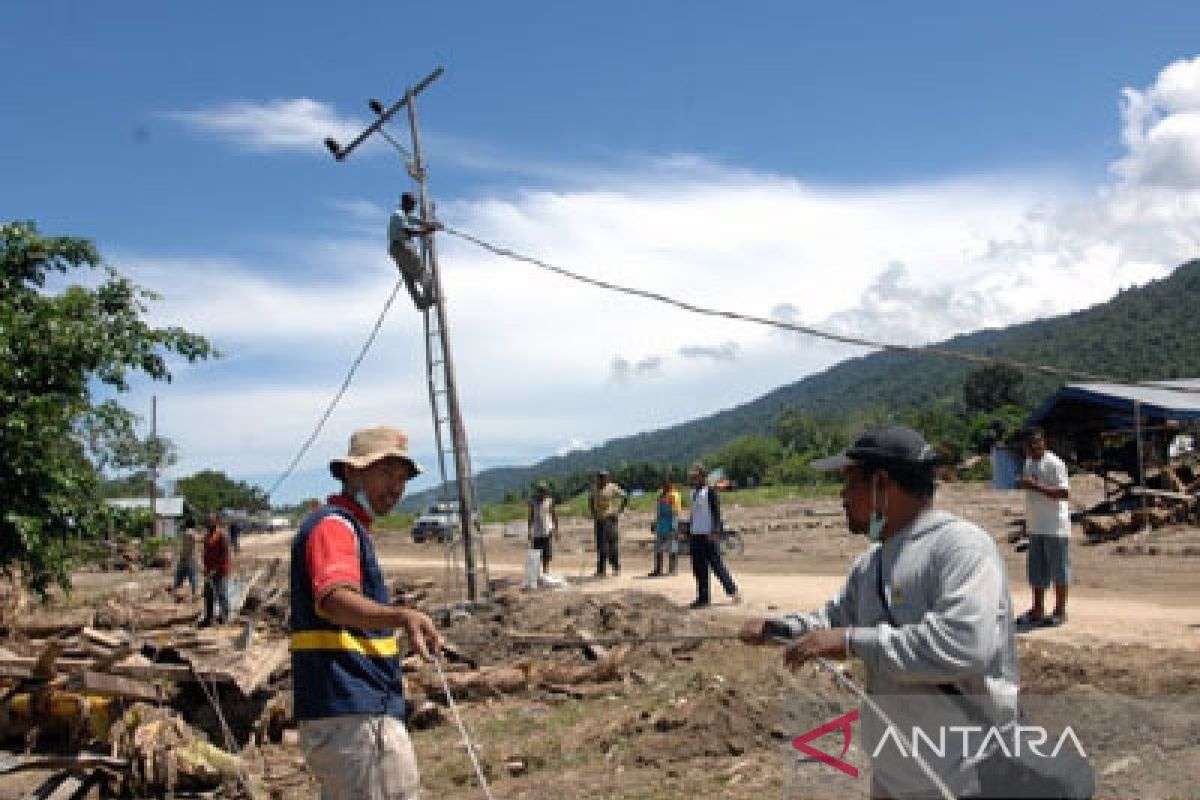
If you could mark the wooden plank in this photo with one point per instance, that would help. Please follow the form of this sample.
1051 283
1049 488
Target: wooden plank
103 638
104 685
593 651
20 667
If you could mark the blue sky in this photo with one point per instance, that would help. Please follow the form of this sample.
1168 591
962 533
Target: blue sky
898 170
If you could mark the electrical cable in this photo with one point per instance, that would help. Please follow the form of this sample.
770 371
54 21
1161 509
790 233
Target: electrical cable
808 330
341 391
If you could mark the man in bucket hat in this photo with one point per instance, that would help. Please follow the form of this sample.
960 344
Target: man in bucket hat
926 609
349 698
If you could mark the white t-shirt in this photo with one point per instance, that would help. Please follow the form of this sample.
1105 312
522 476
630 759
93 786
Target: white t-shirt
702 521
543 523
1045 516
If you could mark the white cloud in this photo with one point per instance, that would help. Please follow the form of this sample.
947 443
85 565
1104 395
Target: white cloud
1162 130
537 354
295 124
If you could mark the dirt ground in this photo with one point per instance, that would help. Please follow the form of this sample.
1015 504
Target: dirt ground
716 718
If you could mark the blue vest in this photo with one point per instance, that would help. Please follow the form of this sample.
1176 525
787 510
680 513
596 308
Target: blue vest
338 670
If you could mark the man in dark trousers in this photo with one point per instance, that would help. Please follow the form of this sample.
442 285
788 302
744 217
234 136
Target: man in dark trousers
606 502
218 564
705 539
405 229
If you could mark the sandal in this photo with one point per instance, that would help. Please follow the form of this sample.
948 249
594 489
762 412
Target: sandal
1027 620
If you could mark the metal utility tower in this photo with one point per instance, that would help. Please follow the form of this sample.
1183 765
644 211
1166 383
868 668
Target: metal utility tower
449 432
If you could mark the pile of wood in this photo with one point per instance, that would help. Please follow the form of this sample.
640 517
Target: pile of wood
124 672
1110 527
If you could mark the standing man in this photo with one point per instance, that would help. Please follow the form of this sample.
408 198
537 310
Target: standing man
606 503
185 560
1048 522
704 540
543 523
926 608
236 526
404 228
666 527
218 564
348 693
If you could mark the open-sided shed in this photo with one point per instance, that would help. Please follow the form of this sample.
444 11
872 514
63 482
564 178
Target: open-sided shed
1095 426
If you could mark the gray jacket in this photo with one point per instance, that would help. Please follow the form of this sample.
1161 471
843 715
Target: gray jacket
948 594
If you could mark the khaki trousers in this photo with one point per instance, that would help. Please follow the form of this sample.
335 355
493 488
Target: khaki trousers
361 757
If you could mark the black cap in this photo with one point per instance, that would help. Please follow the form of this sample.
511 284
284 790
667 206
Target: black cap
892 445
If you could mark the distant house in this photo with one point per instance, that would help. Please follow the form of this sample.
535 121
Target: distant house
1096 426
169 511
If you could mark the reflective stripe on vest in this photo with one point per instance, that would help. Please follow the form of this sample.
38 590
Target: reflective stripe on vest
381 647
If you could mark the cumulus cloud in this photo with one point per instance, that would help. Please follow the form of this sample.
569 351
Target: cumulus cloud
1162 130
910 263
623 369
726 351
299 124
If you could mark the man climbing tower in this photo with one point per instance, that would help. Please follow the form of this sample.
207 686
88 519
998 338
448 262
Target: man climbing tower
403 229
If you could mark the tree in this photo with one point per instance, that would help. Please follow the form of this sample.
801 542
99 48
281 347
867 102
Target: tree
992 387
56 347
210 490
746 459
801 432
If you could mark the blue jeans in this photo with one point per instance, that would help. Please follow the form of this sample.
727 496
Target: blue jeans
216 593
706 556
185 570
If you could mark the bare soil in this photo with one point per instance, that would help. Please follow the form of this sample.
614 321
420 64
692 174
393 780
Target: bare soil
716 718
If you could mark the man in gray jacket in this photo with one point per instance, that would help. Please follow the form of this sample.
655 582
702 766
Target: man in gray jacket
927 610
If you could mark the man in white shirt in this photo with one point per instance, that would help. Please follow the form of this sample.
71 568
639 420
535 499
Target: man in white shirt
705 531
1048 523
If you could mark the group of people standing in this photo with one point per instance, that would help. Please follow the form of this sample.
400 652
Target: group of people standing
926 609
607 500
217 543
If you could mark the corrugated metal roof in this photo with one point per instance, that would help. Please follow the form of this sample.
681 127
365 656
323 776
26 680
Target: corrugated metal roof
1165 402
166 506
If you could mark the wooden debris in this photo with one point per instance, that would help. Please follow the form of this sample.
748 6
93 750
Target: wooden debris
593 651
495 681
103 685
167 755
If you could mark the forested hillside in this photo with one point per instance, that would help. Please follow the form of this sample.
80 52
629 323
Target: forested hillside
1143 333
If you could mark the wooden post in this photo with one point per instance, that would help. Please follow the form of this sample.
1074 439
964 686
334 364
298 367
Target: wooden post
458 434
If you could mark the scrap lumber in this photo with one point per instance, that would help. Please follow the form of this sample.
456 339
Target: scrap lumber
168 755
134 667
65 786
248 670
116 614
494 681
104 638
103 685
593 651
80 761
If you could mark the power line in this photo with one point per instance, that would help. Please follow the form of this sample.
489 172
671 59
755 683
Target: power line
941 352
345 385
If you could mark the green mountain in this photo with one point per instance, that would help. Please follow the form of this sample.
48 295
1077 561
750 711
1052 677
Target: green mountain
1143 333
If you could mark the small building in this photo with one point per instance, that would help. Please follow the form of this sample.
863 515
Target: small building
168 511
1097 427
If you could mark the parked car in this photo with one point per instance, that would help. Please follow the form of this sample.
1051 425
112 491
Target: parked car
439 523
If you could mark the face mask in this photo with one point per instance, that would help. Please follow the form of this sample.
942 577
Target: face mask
878 519
360 497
